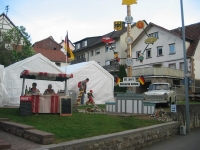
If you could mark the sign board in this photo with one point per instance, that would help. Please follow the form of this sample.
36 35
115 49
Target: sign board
129 84
129 62
107 40
173 108
129 19
65 106
129 79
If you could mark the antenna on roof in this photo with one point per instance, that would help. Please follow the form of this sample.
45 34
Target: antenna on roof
7 9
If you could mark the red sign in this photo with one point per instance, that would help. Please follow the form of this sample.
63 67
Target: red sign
107 40
25 98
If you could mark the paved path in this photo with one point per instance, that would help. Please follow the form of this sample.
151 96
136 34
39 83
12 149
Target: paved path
189 141
16 142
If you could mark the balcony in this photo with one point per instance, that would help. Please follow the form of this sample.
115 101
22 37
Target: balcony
78 61
112 68
158 71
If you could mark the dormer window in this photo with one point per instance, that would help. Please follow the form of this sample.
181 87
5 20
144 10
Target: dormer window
78 46
155 34
84 43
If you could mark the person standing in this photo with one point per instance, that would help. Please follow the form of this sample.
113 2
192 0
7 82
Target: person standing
82 89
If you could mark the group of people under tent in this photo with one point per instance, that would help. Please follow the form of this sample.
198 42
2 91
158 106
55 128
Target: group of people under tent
35 91
81 96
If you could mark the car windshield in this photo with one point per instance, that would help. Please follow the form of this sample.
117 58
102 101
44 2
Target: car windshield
158 87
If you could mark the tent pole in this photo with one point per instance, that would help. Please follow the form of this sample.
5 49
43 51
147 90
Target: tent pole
23 86
65 86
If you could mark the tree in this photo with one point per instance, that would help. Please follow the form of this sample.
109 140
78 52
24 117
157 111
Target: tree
121 74
15 45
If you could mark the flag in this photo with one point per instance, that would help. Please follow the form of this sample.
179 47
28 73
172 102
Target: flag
70 54
141 80
117 80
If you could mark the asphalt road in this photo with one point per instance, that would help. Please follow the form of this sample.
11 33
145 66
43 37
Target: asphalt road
189 141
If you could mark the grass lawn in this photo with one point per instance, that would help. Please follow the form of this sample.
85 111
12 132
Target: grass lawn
79 125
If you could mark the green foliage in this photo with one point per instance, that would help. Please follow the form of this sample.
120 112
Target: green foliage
122 73
15 46
79 125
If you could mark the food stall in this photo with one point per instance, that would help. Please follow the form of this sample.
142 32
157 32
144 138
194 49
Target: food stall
37 103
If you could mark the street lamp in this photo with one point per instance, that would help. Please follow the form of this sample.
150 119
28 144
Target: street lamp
185 72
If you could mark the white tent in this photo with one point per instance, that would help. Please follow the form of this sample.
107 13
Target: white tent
3 94
100 80
37 63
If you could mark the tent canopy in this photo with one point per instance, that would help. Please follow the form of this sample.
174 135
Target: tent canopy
100 80
37 63
28 74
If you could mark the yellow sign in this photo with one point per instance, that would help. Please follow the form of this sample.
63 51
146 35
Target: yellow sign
129 2
118 25
150 40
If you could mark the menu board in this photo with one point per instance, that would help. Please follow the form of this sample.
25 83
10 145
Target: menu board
65 106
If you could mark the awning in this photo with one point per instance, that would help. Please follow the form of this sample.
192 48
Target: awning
27 74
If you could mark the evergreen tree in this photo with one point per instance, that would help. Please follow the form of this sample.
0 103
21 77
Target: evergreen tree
121 74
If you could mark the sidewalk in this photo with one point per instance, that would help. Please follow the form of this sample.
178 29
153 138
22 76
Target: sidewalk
16 142
189 141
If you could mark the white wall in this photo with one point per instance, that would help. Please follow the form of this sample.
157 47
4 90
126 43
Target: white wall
197 62
165 38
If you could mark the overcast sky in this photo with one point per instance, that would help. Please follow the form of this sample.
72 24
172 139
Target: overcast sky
87 18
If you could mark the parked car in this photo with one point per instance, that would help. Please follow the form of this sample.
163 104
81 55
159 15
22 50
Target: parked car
160 93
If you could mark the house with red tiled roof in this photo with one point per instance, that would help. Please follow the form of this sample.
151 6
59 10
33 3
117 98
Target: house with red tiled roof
52 50
164 59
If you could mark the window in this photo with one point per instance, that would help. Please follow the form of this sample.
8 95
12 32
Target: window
83 56
78 57
172 48
97 51
181 65
173 66
159 51
77 45
106 49
92 53
148 52
138 54
110 47
84 43
58 64
107 63
155 34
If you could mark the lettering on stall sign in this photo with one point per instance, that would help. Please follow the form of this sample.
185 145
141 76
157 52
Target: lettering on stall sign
24 98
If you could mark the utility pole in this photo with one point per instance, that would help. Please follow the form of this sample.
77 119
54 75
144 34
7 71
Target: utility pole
185 73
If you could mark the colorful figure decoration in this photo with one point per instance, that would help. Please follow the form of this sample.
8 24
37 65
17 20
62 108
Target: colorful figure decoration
90 97
79 97
141 57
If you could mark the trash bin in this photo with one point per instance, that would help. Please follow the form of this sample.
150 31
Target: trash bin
182 130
